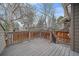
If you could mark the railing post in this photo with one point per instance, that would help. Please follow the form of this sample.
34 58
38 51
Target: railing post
40 34
12 38
29 35
50 37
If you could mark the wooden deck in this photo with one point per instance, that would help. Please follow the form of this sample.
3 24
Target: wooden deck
38 47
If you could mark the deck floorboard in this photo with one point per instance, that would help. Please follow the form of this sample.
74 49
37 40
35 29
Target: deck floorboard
38 47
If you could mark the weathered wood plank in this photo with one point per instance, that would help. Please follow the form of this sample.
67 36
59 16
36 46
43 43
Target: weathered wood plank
48 51
54 51
58 51
63 51
39 51
67 51
71 53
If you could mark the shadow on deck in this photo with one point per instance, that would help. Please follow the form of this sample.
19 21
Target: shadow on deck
38 47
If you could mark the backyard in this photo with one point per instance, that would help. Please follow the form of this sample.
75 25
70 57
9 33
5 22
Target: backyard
39 29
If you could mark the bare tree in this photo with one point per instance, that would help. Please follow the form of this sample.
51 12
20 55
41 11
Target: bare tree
47 11
16 11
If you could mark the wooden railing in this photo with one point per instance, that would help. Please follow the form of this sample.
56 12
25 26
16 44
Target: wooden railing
16 37
34 34
62 37
45 35
21 36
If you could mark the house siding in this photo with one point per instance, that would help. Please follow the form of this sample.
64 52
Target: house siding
75 27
